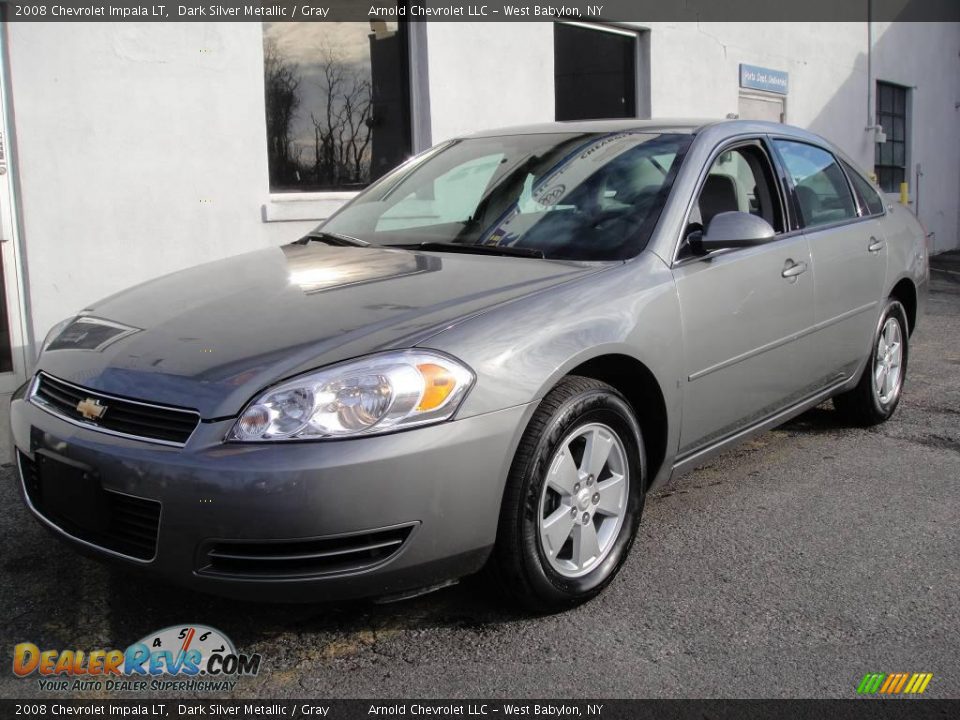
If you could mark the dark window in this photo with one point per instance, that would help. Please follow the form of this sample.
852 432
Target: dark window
337 103
870 201
822 190
595 73
891 156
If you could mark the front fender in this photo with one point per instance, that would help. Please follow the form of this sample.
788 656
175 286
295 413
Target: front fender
520 350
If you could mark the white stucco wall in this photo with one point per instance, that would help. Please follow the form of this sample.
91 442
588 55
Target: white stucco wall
694 71
142 147
142 150
486 75
926 56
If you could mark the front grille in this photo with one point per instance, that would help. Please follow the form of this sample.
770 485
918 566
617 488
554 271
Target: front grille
129 526
302 558
124 417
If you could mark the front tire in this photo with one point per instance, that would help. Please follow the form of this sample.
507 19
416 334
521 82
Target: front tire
876 396
573 499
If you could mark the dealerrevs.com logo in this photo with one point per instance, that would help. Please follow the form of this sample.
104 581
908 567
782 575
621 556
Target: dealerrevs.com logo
180 658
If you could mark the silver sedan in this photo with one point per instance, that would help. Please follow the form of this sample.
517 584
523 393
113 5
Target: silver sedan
484 361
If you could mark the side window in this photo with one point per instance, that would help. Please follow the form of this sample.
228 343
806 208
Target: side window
868 196
822 189
740 180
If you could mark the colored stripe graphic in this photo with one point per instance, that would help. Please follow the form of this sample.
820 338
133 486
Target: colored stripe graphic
888 683
870 683
894 683
903 680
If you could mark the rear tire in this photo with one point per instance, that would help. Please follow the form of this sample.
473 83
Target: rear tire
573 498
877 394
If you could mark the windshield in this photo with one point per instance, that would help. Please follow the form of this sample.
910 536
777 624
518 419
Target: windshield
572 196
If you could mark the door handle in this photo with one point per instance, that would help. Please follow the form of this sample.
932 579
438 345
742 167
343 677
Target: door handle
792 269
875 245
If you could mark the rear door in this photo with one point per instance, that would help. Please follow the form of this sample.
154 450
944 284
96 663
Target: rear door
747 312
849 255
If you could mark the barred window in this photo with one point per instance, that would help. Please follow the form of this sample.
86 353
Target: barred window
891 156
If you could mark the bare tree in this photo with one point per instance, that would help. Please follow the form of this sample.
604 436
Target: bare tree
281 83
341 129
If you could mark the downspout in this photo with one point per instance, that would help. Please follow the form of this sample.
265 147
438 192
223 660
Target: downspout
870 123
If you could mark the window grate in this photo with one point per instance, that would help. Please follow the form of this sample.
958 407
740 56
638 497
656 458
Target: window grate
891 156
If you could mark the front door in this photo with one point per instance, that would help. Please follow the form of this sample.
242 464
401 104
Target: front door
12 351
746 312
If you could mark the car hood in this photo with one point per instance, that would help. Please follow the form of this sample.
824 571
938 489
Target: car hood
211 337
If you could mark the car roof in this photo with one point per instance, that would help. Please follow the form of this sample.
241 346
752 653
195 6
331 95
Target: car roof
686 126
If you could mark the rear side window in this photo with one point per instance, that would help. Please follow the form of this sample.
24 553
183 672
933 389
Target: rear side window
822 189
868 196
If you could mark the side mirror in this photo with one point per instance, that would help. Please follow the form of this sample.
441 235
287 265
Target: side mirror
735 230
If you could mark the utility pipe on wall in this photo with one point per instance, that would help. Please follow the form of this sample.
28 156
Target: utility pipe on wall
870 123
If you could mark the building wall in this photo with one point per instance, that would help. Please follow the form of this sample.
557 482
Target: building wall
486 74
926 56
694 70
142 150
142 147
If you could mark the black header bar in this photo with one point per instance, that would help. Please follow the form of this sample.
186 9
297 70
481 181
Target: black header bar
479 709
481 10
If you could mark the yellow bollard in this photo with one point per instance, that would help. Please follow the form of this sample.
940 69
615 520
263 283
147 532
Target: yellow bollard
904 194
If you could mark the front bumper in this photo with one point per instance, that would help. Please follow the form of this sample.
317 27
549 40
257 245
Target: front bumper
442 485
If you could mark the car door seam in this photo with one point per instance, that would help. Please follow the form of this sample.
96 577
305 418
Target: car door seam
773 345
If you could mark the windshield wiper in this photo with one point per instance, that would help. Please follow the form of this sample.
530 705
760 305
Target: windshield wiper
335 239
481 249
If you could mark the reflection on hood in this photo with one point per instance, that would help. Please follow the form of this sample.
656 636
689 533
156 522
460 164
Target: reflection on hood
340 267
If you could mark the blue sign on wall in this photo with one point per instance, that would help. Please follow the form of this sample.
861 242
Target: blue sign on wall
761 78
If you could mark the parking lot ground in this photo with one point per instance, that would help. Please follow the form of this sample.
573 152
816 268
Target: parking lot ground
789 567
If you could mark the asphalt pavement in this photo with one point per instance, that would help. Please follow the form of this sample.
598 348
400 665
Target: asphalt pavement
789 567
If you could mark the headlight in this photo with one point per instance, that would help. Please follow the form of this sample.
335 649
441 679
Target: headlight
373 395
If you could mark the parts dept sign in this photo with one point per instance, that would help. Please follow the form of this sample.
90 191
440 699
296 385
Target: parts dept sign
766 79
182 658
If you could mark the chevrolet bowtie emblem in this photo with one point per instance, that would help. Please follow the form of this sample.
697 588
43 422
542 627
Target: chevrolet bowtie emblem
91 409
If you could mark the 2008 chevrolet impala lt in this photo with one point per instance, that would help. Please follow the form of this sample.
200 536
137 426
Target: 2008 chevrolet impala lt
485 360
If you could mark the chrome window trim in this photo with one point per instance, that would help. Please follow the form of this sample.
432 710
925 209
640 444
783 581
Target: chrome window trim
38 402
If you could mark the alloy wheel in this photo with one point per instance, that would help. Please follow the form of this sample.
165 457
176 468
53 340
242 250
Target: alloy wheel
584 499
887 362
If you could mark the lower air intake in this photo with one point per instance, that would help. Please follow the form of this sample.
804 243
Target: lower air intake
265 559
